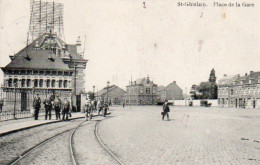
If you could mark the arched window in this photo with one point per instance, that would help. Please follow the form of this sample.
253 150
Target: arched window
35 83
65 83
48 83
23 83
10 82
53 83
28 82
16 82
41 83
60 83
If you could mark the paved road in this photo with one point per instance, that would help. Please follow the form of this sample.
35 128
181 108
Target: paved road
194 135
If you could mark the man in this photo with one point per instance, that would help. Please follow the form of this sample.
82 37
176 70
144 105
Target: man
47 105
95 105
57 107
166 110
99 107
66 109
105 108
36 106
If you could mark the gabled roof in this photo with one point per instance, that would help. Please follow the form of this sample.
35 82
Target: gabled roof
170 85
140 81
227 80
39 59
104 90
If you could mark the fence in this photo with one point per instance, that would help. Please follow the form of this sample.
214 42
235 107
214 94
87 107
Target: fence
7 115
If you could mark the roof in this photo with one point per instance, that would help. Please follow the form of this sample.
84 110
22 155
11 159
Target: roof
253 76
39 59
140 81
227 80
160 88
170 85
104 90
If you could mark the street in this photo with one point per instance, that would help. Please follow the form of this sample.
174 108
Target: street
194 135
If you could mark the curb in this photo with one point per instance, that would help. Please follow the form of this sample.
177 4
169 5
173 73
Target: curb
37 125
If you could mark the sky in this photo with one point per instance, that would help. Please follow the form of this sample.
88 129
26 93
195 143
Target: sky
166 42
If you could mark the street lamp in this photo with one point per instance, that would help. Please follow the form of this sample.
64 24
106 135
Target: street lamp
94 92
107 89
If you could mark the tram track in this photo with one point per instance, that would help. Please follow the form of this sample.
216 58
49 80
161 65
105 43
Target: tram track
23 156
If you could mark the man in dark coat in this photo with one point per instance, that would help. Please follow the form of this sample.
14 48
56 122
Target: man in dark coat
47 105
57 107
36 106
105 109
166 110
65 109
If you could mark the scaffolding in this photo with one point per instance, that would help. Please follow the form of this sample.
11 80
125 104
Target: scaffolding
45 16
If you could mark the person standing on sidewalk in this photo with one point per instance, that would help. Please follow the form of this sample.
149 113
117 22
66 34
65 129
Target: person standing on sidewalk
57 107
166 110
65 109
36 106
47 106
105 108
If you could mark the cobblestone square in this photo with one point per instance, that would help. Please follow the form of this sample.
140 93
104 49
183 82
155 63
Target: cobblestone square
194 135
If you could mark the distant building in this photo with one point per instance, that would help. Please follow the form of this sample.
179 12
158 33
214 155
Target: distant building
239 91
170 92
114 94
141 92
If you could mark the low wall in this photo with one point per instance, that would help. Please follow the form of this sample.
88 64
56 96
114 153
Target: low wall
214 102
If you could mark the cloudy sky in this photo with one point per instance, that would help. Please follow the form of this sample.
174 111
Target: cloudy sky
166 42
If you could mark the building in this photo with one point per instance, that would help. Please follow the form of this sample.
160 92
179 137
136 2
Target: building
141 92
239 91
46 66
170 92
112 93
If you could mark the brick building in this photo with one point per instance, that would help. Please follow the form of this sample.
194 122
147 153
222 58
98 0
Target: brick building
46 66
112 93
141 92
239 91
170 92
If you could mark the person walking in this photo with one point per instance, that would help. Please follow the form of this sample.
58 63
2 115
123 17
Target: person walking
95 105
99 107
36 106
57 107
105 108
166 110
47 105
65 109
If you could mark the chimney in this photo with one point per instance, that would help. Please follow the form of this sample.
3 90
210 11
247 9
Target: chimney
174 82
225 75
246 74
251 72
78 45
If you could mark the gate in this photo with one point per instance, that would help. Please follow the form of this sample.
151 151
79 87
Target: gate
23 101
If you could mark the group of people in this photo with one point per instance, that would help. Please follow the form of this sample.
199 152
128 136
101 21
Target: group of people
94 106
50 104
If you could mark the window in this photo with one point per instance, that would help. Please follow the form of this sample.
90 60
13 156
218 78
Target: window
28 82
232 92
35 83
15 82
65 83
23 83
10 82
53 83
41 83
48 83
148 91
60 83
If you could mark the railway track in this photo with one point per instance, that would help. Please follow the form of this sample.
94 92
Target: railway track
104 146
18 159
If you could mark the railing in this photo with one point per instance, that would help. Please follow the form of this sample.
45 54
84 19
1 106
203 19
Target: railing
8 115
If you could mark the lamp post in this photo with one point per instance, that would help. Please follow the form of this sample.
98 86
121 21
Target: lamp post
15 85
93 92
107 89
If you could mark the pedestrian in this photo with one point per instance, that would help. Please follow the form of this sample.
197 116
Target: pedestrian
95 105
48 106
57 107
123 104
105 108
65 109
99 107
36 106
166 110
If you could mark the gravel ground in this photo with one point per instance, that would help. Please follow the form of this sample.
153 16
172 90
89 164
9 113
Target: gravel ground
194 135
15 144
87 148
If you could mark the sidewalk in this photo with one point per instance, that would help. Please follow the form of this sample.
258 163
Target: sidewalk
11 126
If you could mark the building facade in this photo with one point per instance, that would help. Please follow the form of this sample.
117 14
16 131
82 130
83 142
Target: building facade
46 66
141 92
239 91
170 92
113 94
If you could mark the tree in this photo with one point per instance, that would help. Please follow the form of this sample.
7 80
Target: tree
212 76
91 95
